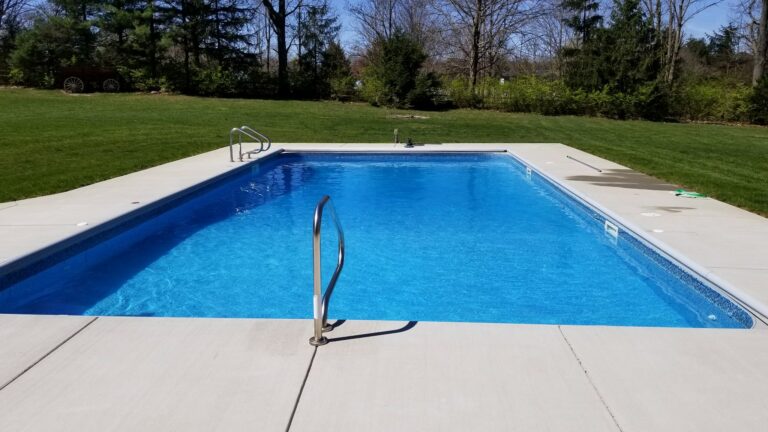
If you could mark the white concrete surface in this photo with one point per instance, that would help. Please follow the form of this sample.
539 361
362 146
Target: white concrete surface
682 380
449 377
26 339
128 374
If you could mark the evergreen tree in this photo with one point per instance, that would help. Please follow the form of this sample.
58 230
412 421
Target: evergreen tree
43 49
78 20
631 51
185 20
722 47
116 22
226 30
393 67
584 19
317 30
578 61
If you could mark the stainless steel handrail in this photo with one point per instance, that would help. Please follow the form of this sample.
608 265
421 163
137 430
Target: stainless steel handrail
320 300
260 136
250 133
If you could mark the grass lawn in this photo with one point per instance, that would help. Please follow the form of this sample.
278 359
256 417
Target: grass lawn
51 142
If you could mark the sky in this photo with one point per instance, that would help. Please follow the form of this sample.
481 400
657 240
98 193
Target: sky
705 23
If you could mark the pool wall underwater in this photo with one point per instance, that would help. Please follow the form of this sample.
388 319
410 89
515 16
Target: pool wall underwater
100 242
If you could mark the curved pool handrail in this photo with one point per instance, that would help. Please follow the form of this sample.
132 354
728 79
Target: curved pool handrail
259 136
250 133
320 300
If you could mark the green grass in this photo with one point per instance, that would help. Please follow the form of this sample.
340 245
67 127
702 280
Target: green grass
51 142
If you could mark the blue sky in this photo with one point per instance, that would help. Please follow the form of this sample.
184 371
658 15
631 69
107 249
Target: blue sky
712 19
704 23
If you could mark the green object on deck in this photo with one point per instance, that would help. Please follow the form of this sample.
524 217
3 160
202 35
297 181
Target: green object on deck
689 194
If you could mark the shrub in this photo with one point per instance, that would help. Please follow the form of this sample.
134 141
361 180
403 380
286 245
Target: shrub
426 93
712 101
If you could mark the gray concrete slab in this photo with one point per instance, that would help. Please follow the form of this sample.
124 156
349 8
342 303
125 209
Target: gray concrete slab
448 377
145 374
25 339
677 380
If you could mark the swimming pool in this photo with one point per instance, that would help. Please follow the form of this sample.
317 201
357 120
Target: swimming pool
472 237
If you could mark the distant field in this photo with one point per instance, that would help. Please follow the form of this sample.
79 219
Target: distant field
51 142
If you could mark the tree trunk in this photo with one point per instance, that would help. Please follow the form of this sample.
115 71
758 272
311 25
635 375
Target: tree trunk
674 34
474 65
278 18
762 45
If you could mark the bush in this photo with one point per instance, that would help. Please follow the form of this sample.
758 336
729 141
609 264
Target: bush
709 101
343 88
141 81
427 94
712 101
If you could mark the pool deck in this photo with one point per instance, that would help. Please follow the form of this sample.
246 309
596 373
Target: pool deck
109 373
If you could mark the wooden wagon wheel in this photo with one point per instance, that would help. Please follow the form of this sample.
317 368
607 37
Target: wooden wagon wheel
73 85
110 85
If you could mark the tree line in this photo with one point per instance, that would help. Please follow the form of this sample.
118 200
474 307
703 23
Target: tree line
617 58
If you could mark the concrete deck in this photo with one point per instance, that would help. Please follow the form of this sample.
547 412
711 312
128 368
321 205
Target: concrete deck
150 374
108 373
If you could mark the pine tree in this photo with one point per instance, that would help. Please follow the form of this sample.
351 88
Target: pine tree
584 18
630 48
317 30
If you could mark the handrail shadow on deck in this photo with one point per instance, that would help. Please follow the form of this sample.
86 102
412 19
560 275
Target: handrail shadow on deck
406 327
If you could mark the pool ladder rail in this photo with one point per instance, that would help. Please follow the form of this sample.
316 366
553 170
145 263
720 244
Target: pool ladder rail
264 142
320 300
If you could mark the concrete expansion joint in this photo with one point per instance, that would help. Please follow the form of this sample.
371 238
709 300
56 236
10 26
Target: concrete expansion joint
8 205
589 378
44 356
301 390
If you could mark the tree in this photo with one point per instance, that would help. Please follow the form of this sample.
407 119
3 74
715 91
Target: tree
377 19
480 31
317 30
622 57
116 22
186 21
336 67
226 30
393 67
722 46
761 50
43 49
11 24
632 52
278 13
584 18
679 13
579 59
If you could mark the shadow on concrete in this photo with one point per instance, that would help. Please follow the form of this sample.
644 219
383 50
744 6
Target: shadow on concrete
623 178
669 209
405 328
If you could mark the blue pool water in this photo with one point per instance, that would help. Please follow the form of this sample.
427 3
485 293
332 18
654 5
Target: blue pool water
461 237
